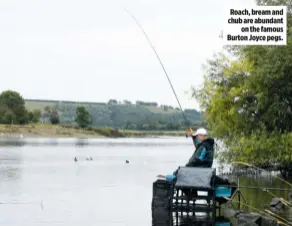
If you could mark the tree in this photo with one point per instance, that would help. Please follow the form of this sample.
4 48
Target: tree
6 115
34 116
127 102
30 116
51 113
83 118
16 106
112 101
54 116
172 126
47 110
120 116
247 101
153 126
3 110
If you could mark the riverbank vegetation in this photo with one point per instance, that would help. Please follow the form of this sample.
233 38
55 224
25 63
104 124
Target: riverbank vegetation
112 119
247 102
49 130
141 116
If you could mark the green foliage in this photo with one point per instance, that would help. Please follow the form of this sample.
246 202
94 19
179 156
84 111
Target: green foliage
83 118
107 132
247 102
30 116
54 116
145 116
154 104
34 116
13 108
8 117
112 101
127 102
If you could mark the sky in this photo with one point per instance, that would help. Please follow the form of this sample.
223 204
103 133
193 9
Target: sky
92 50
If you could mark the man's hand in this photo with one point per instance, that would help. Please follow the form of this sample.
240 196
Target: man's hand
189 131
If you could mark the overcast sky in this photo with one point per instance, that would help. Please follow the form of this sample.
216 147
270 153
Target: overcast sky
92 50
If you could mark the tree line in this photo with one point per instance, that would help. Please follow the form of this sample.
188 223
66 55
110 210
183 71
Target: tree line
247 101
14 111
117 114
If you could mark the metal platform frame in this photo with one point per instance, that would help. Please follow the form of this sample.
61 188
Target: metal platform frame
183 202
180 202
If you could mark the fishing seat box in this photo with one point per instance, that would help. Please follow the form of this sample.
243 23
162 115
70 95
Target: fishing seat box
191 180
162 189
191 185
160 205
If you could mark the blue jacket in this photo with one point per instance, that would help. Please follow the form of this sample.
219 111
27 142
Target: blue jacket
204 153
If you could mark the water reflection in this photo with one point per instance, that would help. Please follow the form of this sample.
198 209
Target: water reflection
190 221
9 164
177 219
106 142
81 142
261 199
11 142
83 192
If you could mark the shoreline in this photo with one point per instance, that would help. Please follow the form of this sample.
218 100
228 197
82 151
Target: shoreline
65 131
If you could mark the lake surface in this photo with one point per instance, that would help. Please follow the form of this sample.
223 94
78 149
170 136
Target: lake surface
105 191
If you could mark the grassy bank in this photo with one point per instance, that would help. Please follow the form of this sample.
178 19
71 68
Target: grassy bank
46 130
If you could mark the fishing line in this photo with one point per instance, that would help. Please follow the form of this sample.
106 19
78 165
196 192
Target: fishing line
273 214
146 36
260 211
285 202
254 187
246 164
23 203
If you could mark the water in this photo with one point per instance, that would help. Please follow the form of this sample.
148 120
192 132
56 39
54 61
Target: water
105 191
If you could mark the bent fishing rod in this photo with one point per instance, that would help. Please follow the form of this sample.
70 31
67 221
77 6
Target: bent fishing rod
24 203
150 43
257 187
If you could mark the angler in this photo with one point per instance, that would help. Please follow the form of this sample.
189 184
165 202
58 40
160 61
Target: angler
204 149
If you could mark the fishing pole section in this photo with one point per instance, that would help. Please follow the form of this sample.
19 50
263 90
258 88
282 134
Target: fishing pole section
164 70
24 203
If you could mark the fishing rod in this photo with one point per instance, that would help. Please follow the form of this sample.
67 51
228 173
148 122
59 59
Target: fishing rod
250 165
266 212
146 36
285 202
255 187
23 203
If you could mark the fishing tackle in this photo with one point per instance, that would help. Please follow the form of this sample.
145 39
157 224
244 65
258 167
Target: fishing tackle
266 212
23 203
249 165
285 202
146 36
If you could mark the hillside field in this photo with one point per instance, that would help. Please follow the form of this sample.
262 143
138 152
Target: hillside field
142 116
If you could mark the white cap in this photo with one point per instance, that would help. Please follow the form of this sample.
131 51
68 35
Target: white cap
201 131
